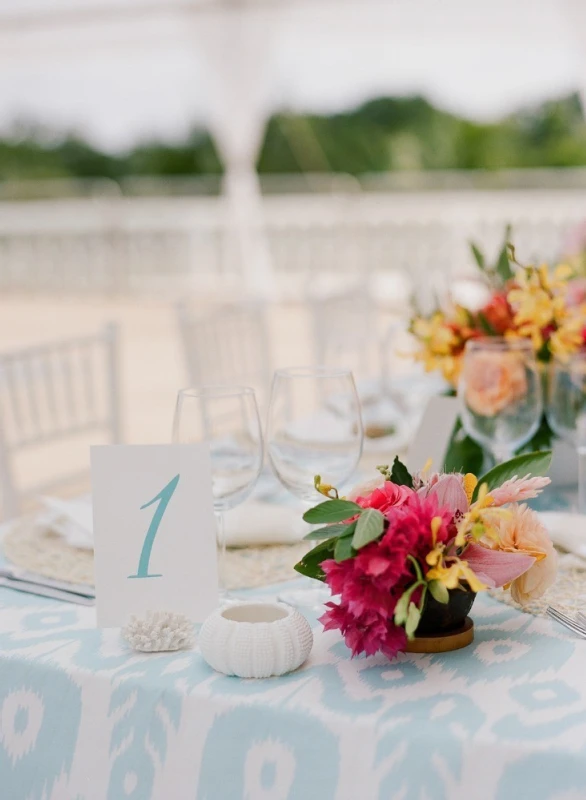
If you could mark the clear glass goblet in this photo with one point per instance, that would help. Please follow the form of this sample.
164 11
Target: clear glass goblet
566 412
500 392
225 418
314 428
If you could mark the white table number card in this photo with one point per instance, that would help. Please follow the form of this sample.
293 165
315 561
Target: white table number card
154 531
434 433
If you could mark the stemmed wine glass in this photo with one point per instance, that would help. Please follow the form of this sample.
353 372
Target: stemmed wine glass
225 418
314 428
500 392
566 412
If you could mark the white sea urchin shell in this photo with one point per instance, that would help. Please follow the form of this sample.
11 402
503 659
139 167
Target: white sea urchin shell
255 640
159 631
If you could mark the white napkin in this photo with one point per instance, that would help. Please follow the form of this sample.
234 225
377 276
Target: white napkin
566 530
254 523
70 519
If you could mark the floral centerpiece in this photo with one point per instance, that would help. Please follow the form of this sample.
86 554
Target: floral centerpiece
546 306
398 552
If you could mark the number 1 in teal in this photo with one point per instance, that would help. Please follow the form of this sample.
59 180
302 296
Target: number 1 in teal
145 556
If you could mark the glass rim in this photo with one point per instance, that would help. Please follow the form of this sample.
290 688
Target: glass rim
215 390
313 372
499 343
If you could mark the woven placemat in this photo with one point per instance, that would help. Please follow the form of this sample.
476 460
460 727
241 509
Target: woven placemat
41 551
38 550
46 553
568 592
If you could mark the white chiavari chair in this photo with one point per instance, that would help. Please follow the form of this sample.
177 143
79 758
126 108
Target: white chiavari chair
229 346
50 395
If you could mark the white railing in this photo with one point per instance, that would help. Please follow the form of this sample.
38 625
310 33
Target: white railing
118 244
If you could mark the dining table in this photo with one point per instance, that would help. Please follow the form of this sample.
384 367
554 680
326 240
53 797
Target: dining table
84 717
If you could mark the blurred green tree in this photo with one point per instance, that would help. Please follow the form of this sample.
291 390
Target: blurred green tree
384 134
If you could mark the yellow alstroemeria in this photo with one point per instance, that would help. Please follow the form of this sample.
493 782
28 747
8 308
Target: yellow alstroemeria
562 274
451 576
436 553
478 521
440 338
325 488
568 338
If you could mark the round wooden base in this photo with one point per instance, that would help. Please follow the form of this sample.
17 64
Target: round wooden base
443 642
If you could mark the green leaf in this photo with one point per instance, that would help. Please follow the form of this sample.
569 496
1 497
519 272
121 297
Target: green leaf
343 549
503 264
413 617
400 474
478 256
310 563
485 324
329 531
464 454
349 529
369 527
528 464
543 439
400 617
438 591
331 511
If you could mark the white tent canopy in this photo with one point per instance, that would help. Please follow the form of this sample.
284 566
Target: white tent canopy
235 61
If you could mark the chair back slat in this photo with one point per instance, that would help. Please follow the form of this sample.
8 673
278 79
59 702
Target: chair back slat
49 387
230 346
88 382
344 329
54 393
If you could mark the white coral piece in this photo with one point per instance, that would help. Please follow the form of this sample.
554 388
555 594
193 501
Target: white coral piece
159 631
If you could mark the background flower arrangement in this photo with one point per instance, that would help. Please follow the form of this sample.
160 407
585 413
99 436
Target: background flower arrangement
403 542
543 305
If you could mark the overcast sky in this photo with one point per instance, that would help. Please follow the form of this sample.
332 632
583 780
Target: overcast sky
119 79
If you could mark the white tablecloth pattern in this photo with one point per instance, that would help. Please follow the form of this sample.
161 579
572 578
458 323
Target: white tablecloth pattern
84 718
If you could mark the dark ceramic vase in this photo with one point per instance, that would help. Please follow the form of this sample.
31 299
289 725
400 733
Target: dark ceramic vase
439 618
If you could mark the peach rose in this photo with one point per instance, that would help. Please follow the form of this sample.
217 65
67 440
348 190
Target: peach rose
522 532
494 380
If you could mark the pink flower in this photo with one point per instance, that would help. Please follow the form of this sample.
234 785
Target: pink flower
517 489
385 498
449 490
368 633
371 583
496 567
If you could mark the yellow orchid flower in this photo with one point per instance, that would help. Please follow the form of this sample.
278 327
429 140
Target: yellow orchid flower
436 553
451 576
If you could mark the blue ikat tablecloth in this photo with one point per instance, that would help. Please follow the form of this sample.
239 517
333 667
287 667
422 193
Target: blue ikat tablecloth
84 718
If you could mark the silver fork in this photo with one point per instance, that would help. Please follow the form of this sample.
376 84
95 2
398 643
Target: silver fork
577 625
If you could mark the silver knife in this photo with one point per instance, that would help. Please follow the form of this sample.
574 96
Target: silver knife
16 574
46 591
